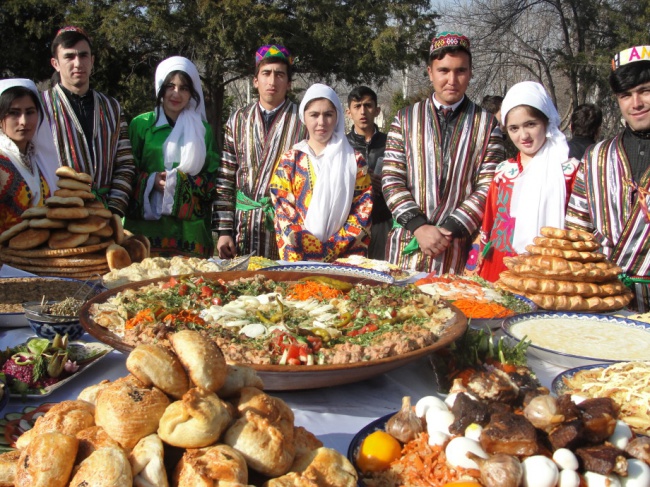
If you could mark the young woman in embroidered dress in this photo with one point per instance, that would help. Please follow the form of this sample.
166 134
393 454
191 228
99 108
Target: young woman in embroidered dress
27 155
176 165
321 188
531 190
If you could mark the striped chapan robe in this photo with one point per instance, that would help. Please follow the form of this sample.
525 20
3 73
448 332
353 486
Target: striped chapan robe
607 202
413 184
250 155
111 163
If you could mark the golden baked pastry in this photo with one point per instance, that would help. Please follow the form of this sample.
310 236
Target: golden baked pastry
560 243
89 394
566 254
211 467
523 284
100 212
8 464
47 461
267 447
29 239
146 242
107 467
33 212
573 235
117 257
137 250
104 232
67 417
69 172
92 439
270 407
90 224
63 239
46 223
305 441
64 202
118 229
323 467
156 365
65 183
11 232
128 411
67 213
147 463
578 303
558 268
238 377
202 359
67 193
195 421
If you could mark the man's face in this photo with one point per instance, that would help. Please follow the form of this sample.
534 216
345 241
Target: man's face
450 77
635 107
74 65
272 83
363 113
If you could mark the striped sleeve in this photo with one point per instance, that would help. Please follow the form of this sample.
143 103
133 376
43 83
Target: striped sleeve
223 212
577 216
123 170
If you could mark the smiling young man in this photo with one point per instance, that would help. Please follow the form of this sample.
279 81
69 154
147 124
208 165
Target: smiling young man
90 132
439 161
611 195
255 138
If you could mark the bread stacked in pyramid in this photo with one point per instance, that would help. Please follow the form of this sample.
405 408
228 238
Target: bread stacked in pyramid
565 270
73 235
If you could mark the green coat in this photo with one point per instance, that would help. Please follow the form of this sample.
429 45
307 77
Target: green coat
187 230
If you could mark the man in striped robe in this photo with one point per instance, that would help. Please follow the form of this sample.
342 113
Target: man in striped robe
440 158
256 137
611 195
90 132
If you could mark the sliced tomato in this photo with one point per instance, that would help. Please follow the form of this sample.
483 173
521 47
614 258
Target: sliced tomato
293 361
173 281
217 301
183 289
315 342
353 333
206 292
368 328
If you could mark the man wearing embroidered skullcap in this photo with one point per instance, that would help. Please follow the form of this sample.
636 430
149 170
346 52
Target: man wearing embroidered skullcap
440 158
611 195
255 138
89 128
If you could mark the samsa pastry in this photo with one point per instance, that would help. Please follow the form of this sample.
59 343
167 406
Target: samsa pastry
157 366
305 441
89 394
147 463
258 402
106 467
128 411
47 461
267 447
321 468
195 421
8 464
92 439
202 359
238 377
214 466
67 417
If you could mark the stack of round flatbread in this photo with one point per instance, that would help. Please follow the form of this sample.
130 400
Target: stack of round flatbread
565 270
73 235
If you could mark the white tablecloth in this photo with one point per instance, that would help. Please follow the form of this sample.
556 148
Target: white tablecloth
333 414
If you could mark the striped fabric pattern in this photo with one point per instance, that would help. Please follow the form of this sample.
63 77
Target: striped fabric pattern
112 166
412 175
249 158
292 187
603 203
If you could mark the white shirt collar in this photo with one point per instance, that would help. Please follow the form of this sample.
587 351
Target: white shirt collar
440 105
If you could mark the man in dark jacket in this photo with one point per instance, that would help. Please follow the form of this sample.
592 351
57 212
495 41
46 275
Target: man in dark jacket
585 125
366 138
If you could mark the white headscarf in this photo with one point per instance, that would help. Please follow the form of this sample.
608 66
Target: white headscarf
539 194
186 143
336 172
45 160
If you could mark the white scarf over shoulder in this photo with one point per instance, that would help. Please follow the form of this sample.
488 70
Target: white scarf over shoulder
336 172
539 193
45 160
186 142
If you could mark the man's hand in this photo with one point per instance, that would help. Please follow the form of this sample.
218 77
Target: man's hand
226 247
160 181
432 240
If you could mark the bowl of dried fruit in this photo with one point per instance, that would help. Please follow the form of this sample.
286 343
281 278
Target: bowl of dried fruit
49 318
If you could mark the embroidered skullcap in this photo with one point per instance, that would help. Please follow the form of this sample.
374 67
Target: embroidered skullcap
449 39
73 28
273 50
631 55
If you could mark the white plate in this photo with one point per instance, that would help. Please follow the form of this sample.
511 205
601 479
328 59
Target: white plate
581 338
334 270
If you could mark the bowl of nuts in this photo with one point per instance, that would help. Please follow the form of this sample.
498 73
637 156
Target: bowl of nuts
49 318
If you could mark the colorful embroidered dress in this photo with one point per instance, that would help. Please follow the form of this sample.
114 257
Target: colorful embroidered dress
498 223
291 191
250 154
111 164
186 230
415 168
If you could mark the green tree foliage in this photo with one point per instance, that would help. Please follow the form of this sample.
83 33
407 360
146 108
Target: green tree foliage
360 41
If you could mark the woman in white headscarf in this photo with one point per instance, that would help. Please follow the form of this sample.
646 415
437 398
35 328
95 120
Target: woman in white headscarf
321 188
28 159
176 164
531 190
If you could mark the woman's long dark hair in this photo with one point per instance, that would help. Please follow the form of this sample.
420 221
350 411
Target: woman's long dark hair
187 80
11 94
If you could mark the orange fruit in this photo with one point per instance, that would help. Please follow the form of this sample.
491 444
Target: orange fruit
377 451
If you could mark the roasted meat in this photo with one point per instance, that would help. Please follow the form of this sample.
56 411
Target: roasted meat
467 411
603 459
639 448
493 385
566 435
599 417
511 434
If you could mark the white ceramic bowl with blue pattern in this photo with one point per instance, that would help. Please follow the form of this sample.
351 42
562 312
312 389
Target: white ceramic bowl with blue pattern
47 326
577 339
334 270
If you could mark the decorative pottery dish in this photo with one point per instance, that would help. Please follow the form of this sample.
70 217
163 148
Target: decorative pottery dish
575 339
333 270
15 424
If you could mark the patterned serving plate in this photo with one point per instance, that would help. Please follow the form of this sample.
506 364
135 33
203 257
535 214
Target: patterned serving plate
334 270
572 344
558 387
15 424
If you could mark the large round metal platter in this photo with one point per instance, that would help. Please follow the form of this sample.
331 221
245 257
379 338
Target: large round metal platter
576 339
290 377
